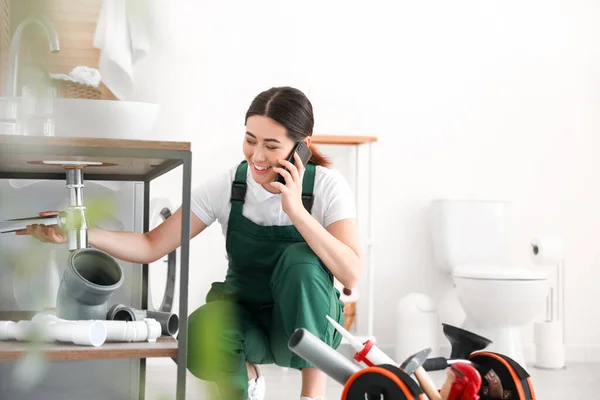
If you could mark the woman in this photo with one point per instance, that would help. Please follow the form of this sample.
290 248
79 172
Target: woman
283 253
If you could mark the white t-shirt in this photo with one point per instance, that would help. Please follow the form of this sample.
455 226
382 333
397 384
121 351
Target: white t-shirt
333 200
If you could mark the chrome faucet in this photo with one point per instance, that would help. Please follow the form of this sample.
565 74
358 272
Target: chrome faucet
73 219
15 44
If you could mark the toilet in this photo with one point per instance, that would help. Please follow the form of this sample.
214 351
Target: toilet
470 246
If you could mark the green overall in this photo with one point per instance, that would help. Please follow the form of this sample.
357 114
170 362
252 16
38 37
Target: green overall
275 284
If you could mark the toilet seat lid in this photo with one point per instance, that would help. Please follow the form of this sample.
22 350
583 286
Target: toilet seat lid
498 272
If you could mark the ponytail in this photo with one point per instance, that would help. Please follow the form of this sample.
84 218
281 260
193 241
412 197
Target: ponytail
318 158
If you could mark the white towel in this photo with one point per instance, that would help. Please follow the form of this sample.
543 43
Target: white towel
123 37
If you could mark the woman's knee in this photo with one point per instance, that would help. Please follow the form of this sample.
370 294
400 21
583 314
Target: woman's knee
299 263
215 340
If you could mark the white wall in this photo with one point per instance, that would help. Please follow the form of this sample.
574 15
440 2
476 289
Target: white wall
468 98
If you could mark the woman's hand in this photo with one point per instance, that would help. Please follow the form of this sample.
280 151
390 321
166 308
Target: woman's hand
46 233
291 192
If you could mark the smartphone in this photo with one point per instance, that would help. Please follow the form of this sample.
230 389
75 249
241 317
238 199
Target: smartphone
303 151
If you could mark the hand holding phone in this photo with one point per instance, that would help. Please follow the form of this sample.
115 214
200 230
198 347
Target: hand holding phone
291 190
305 154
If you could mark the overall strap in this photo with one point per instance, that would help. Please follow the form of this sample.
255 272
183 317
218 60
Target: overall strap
238 187
308 183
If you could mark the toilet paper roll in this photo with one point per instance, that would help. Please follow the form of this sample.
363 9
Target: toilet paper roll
549 345
547 250
548 332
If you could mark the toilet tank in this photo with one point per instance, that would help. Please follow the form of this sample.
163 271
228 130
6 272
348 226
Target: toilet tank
468 232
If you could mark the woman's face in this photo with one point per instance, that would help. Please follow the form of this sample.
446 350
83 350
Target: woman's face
266 142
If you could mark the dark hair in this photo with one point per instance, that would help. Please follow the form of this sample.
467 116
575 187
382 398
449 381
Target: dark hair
292 109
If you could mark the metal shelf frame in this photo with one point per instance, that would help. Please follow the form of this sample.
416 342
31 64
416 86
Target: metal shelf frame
358 143
173 154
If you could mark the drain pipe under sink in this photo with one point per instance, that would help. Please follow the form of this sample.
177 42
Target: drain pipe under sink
88 281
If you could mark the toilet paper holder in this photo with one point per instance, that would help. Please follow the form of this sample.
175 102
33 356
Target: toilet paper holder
550 351
548 251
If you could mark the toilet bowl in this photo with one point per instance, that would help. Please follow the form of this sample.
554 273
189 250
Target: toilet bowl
498 301
470 248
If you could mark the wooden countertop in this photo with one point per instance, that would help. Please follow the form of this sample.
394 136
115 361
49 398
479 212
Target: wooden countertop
27 157
92 142
347 140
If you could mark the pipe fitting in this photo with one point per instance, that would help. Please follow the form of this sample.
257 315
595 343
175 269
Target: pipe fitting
120 312
89 280
133 331
169 322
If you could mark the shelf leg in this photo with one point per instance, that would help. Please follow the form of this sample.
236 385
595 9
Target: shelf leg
357 318
371 271
356 178
145 228
184 277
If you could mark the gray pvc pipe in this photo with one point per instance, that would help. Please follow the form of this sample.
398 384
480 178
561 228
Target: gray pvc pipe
120 312
169 322
322 356
90 278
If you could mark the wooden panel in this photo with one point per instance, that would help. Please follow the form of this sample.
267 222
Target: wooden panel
343 139
75 23
164 347
4 39
12 161
76 26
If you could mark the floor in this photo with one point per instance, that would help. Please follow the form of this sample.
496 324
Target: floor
576 382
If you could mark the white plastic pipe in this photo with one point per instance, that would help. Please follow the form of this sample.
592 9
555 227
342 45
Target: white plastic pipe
22 330
86 333
116 331
8 330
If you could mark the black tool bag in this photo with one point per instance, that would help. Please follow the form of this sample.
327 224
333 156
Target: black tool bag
501 377
387 380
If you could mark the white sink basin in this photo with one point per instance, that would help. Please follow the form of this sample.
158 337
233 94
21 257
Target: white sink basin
104 118
99 118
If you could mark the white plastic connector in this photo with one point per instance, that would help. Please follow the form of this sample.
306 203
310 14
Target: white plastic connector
86 333
154 329
133 331
8 330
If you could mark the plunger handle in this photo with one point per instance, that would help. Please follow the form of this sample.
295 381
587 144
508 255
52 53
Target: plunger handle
435 364
427 384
